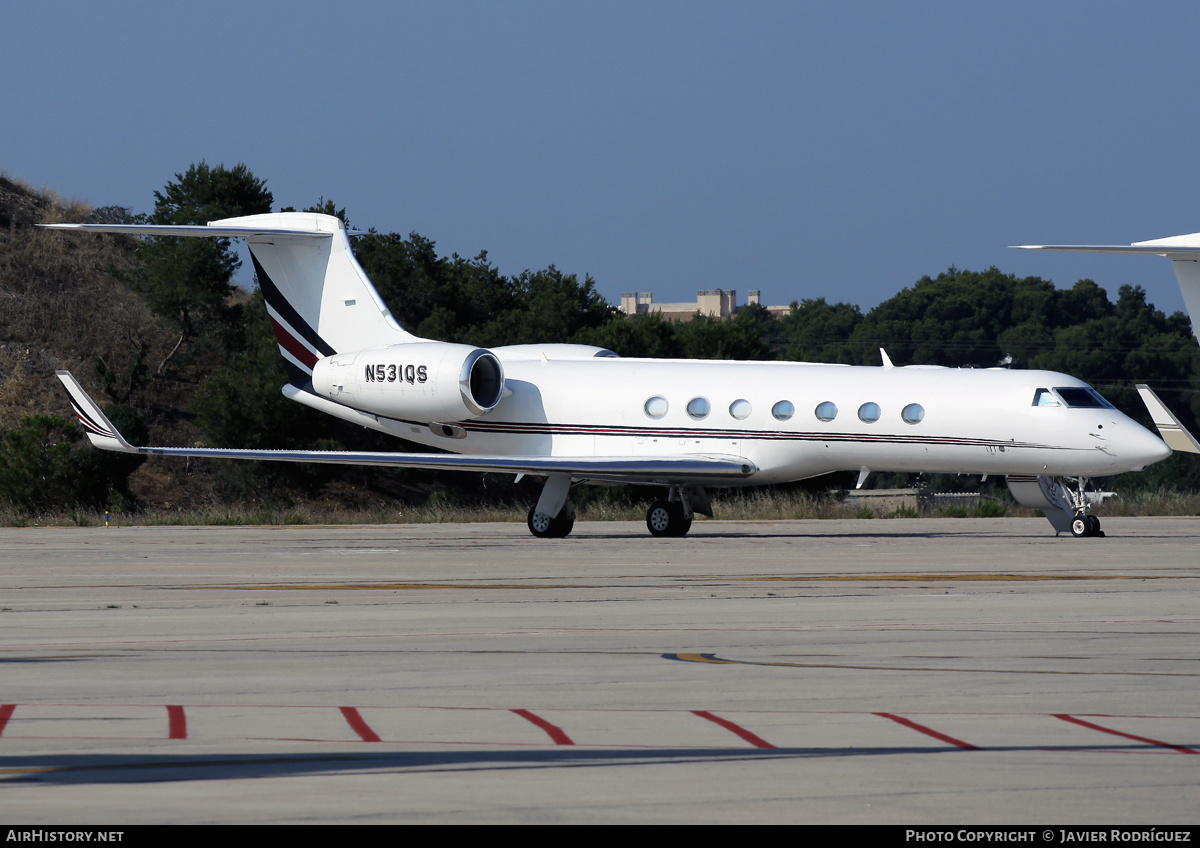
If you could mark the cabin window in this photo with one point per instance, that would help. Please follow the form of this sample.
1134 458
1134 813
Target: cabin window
740 409
783 410
1076 397
826 411
656 407
913 413
698 408
1043 397
869 412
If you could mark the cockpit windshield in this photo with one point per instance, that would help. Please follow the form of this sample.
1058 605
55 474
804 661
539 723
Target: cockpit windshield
1078 397
1075 396
1044 397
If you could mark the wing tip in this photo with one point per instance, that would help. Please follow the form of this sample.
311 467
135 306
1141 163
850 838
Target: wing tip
100 431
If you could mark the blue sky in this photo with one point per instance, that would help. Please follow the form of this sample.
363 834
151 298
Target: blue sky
837 150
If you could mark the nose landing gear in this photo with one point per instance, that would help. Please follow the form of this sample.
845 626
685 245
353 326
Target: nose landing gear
1086 525
1064 502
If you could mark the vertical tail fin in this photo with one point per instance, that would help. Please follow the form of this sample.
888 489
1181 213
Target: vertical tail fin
1177 437
319 298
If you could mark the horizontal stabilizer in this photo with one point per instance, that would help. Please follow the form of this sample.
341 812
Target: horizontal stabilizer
318 297
1187 245
627 469
1183 251
1169 427
192 230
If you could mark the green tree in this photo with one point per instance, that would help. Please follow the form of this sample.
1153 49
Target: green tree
816 331
188 280
645 335
241 406
548 306
710 337
469 301
40 472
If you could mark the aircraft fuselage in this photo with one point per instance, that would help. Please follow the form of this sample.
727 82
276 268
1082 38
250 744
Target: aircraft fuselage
841 417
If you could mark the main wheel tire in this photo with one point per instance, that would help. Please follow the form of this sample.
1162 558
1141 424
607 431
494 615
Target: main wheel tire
658 519
1094 526
1081 526
558 527
665 518
561 526
539 523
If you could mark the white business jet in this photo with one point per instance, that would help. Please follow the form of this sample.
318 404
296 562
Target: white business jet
574 413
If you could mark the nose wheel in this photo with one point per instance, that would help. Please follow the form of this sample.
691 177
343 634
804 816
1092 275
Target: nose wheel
1086 525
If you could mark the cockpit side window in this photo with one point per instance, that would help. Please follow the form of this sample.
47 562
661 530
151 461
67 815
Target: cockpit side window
1085 398
1043 397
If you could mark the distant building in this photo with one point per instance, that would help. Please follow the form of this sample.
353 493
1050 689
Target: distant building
718 303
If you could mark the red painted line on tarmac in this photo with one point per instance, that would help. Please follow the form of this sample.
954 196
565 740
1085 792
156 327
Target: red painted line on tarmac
928 731
1181 749
556 733
358 725
756 741
6 711
177 722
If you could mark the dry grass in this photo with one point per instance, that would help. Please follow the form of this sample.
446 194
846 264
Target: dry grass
1157 502
735 506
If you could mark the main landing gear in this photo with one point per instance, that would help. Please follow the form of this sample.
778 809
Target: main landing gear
553 516
558 527
673 517
667 518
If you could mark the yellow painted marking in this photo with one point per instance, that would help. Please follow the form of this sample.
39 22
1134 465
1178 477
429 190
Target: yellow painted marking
29 770
700 658
844 578
330 587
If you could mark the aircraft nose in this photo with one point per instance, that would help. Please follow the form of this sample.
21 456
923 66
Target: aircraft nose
1142 447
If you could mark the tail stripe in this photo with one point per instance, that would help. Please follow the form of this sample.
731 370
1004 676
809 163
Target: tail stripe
86 421
290 344
286 318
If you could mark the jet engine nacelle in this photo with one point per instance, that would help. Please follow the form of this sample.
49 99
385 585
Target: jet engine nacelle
418 381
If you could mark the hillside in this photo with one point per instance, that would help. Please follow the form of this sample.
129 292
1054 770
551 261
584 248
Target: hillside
69 302
157 334
64 308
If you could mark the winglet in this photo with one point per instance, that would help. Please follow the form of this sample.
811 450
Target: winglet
95 423
1172 431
